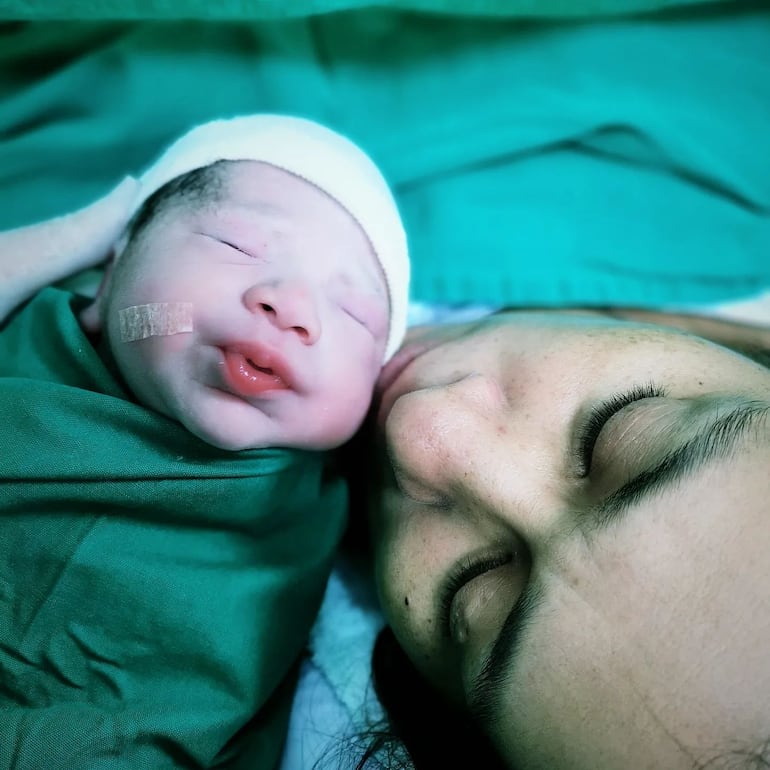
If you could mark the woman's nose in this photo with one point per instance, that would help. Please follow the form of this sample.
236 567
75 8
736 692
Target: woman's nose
438 437
472 450
289 306
484 455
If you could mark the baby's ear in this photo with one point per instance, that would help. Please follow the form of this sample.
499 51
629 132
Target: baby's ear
91 317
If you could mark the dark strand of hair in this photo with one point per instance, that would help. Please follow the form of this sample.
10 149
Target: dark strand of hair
420 723
198 187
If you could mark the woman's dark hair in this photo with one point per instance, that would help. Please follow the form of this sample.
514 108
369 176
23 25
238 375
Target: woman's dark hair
421 731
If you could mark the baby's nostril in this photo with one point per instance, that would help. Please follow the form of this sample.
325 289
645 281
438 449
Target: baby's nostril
301 330
267 308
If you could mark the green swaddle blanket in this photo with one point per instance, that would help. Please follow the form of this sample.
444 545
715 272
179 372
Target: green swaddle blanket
154 591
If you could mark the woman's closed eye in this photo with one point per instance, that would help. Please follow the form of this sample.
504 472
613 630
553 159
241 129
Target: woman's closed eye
594 423
477 593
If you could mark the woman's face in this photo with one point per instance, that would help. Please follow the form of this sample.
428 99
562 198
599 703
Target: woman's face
573 536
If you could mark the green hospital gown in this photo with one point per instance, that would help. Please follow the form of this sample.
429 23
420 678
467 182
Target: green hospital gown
155 591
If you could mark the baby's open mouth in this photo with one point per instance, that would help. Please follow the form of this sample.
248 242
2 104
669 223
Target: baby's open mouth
255 372
255 365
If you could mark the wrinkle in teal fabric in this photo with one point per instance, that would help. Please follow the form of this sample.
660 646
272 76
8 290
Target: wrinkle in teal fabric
242 10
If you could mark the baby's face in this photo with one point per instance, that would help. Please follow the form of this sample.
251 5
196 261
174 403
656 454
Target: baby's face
289 314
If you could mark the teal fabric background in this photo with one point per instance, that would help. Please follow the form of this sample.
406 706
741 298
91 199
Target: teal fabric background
271 9
617 161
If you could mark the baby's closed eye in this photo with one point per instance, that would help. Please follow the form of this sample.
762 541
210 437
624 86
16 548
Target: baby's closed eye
368 310
235 245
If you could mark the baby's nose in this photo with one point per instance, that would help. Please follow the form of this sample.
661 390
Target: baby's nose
289 306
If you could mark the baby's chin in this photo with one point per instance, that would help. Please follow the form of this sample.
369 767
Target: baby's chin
305 423
278 437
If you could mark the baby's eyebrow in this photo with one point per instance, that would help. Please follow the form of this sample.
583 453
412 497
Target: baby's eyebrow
721 435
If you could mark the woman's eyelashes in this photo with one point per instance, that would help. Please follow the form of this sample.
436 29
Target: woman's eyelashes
592 426
454 593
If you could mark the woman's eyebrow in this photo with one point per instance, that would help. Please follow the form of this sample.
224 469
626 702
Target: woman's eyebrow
716 440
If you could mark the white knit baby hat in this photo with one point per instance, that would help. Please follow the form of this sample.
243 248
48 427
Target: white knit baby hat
319 155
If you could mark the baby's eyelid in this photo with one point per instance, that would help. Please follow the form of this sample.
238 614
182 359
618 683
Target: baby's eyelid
238 248
355 316
230 244
368 317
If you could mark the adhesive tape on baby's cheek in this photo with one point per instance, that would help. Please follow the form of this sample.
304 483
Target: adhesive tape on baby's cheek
156 319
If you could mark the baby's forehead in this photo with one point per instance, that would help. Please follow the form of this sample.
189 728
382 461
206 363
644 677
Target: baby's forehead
246 209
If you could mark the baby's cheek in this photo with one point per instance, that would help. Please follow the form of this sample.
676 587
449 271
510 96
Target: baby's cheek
156 352
154 319
345 413
174 344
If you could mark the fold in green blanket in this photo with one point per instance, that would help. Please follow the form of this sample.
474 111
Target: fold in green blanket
154 591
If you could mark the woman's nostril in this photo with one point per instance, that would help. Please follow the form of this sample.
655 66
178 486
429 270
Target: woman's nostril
415 489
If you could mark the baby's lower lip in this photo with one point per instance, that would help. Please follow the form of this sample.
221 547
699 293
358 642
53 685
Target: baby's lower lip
246 378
